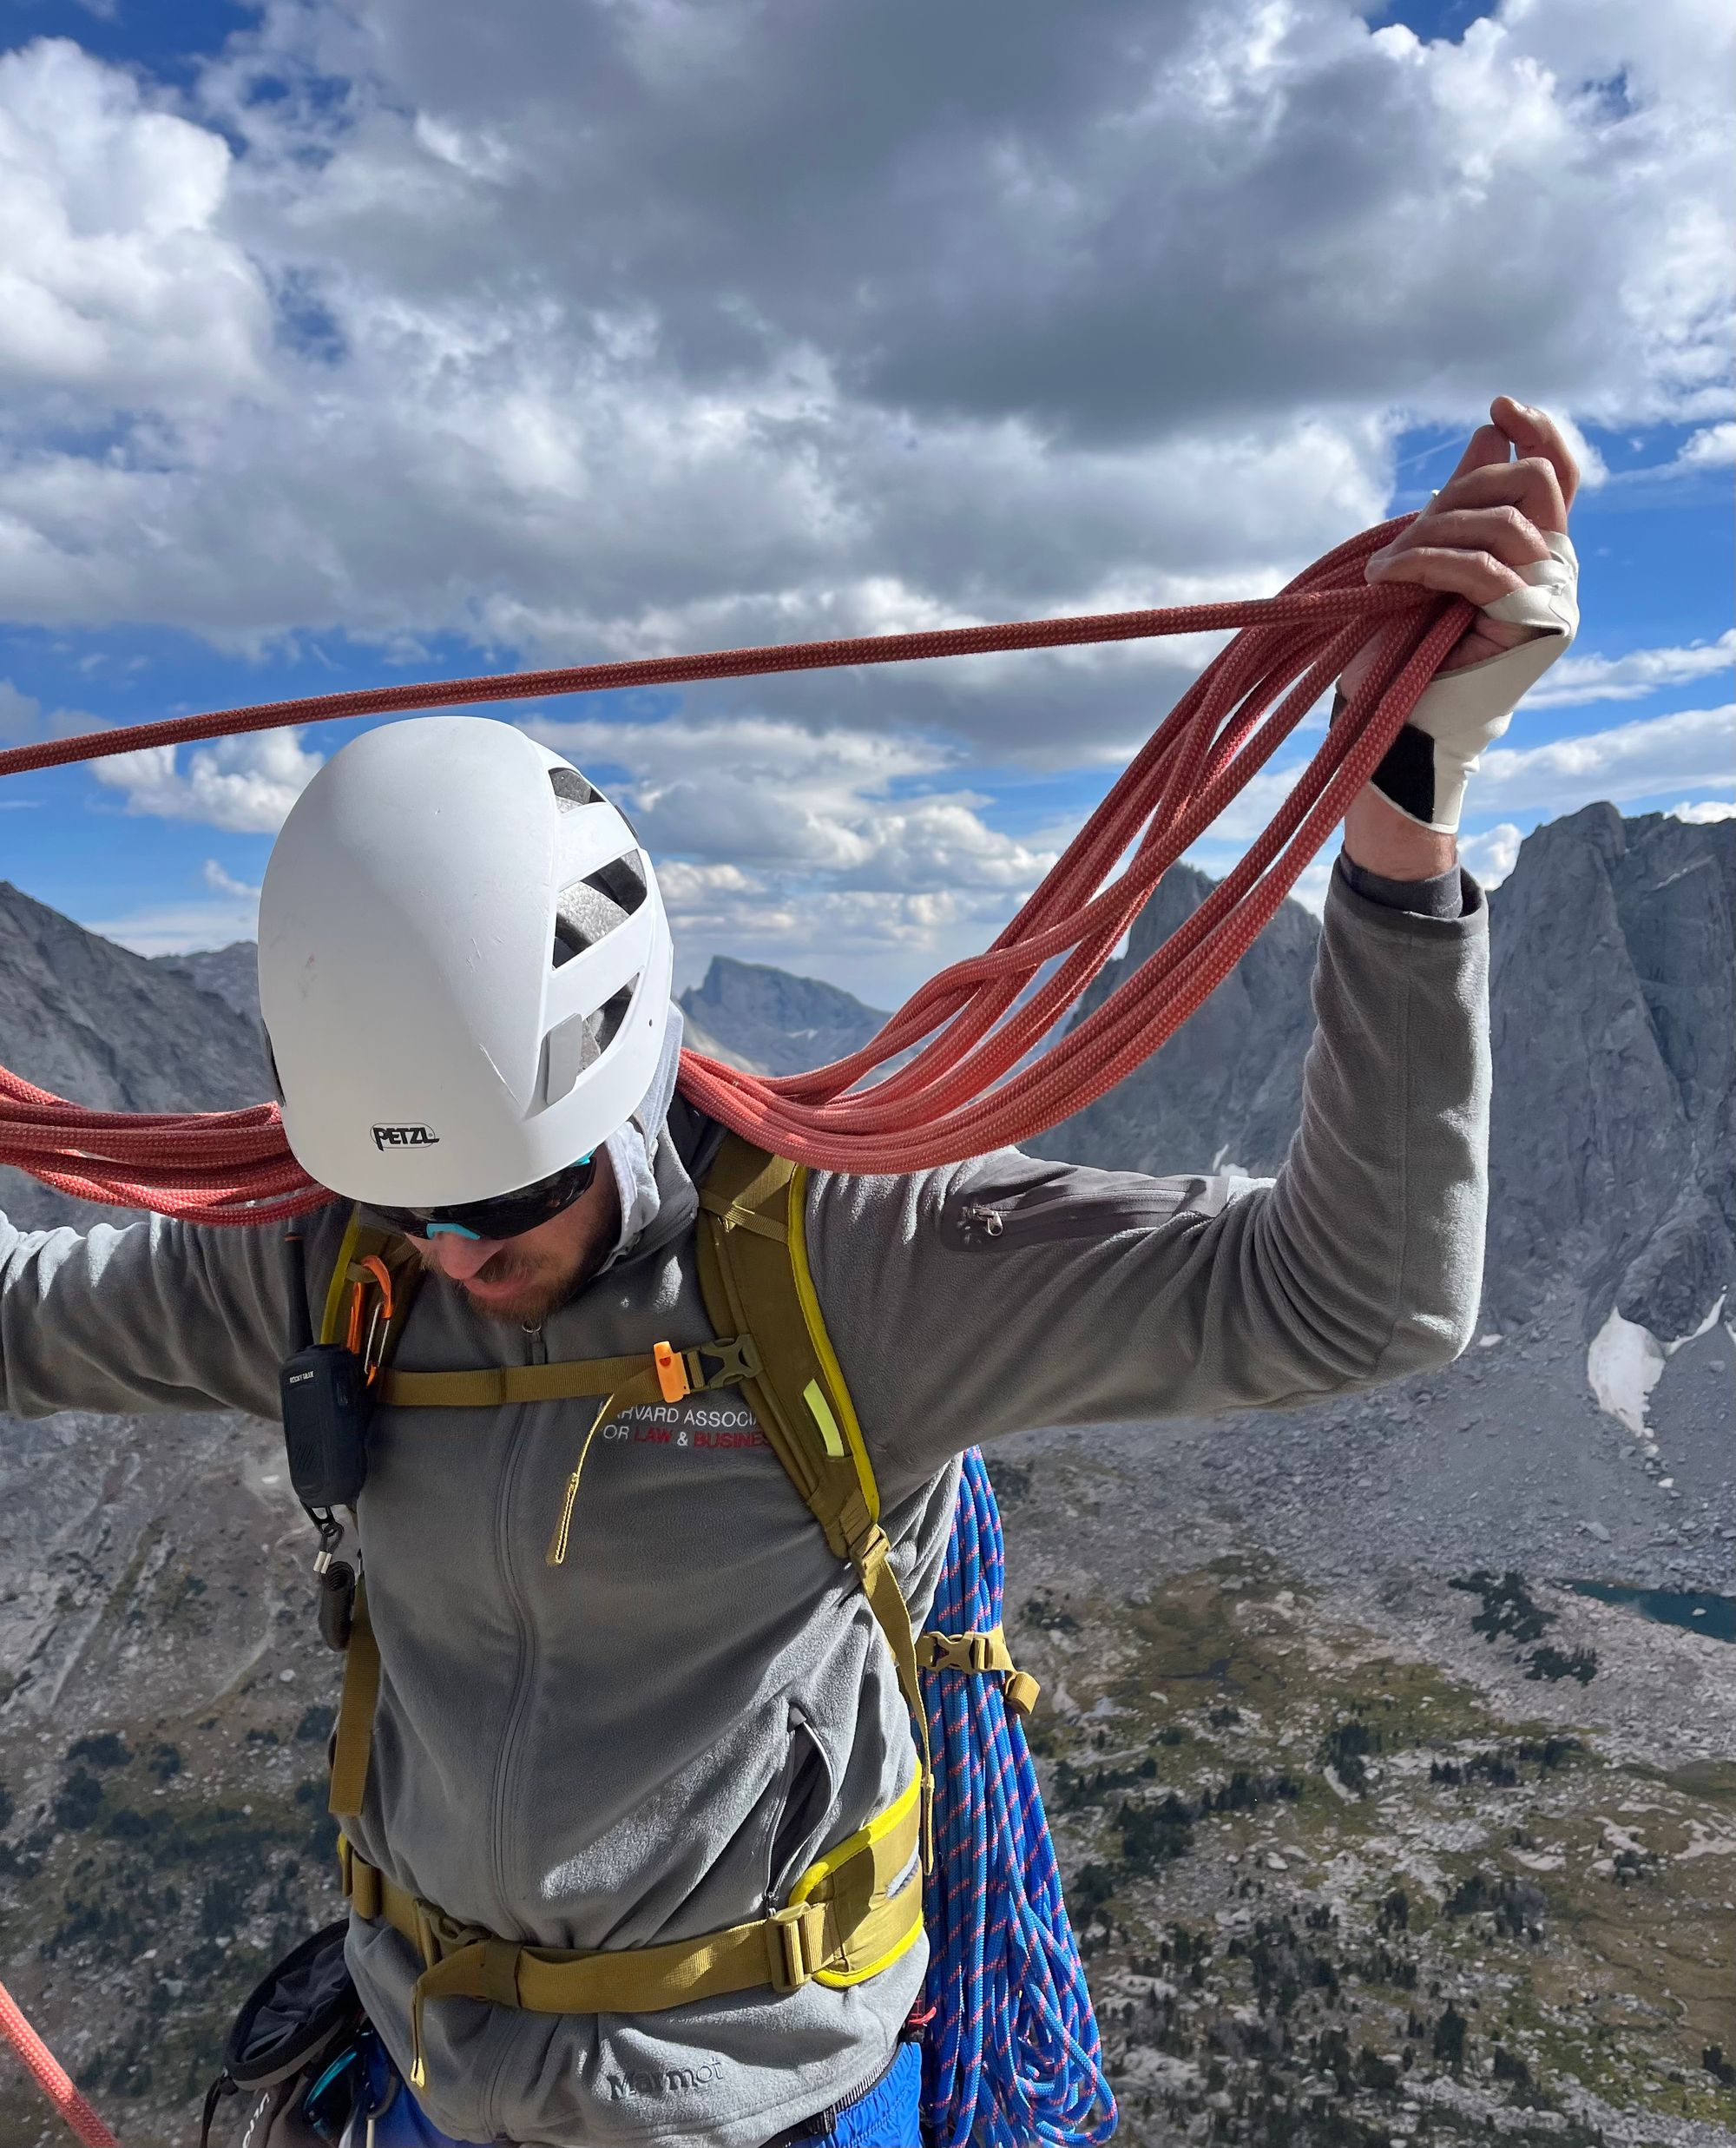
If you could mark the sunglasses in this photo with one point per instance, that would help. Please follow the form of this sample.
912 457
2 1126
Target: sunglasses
510 1216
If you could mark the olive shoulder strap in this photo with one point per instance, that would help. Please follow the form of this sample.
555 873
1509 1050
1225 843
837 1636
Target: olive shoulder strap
755 1280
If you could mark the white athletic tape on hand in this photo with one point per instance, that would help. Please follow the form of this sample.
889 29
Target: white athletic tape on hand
1550 599
1466 710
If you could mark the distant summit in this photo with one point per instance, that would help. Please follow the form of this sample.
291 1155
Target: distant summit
1613 1016
780 1024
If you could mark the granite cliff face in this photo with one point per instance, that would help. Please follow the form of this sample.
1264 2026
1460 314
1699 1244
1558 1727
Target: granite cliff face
232 972
91 1022
1612 1005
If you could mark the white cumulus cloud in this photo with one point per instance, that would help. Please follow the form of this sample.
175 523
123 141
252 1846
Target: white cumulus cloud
1576 679
116 282
1695 748
532 339
225 883
386 325
244 785
1713 447
1492 854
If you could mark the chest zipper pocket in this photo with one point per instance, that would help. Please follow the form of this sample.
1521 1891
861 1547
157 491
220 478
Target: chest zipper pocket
1051 1214
801 1799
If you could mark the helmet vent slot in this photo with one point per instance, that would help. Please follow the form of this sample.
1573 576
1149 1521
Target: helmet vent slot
580 1042
591 908
611 1016
571 787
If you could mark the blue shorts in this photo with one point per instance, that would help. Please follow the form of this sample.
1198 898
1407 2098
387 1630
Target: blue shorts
887 2117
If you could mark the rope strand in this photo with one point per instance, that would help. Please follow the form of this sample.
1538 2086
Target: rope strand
50 2076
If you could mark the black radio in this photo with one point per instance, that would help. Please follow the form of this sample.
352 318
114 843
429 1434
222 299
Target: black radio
325 1406
325 1410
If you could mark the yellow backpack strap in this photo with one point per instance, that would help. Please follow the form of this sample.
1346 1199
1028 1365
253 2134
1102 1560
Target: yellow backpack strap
353 1744
755 1280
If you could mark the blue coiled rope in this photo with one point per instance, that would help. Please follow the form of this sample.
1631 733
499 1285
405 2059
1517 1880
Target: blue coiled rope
1011 2055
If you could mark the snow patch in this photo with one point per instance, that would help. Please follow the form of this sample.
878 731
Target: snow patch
1623 1365
1625 1362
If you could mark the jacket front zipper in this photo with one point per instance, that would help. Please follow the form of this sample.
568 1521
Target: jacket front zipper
506 1768
523 1681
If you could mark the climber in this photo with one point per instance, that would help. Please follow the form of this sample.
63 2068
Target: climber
578 1771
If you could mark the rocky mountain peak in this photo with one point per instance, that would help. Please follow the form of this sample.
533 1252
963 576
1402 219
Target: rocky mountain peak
777 1021
1612 1017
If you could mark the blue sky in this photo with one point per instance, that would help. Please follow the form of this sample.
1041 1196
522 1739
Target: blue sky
345 356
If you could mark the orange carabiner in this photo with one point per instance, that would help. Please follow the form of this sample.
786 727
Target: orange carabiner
381 1321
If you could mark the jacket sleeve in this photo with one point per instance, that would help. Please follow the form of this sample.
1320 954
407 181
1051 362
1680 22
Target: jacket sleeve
156 1316
1007 1292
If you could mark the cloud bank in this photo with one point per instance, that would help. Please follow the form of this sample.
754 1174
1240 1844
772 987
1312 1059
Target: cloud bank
661 324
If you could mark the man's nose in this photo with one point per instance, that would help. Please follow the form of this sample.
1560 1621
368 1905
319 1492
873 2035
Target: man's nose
461 1257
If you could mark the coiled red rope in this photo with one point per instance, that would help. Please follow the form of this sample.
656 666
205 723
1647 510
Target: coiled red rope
966 1089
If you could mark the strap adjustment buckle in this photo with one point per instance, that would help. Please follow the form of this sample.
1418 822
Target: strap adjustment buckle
732 1359
793 1937
441 1935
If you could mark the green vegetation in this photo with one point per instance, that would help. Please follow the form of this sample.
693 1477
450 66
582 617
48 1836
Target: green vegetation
1327 1895
189 1889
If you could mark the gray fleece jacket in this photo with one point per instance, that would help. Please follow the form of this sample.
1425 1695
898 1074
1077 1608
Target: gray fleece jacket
654 1740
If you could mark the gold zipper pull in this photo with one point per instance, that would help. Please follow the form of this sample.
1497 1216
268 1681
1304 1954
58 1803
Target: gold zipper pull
556 1553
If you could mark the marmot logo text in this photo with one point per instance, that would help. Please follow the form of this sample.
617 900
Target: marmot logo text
404 1137
676 2079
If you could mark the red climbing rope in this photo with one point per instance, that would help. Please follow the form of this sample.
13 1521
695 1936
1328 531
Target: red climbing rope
51 2077
977 1079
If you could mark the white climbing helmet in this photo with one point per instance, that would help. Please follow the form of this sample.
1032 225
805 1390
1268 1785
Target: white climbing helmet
465 965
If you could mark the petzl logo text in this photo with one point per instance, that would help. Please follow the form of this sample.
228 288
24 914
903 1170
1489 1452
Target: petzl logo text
404 1137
